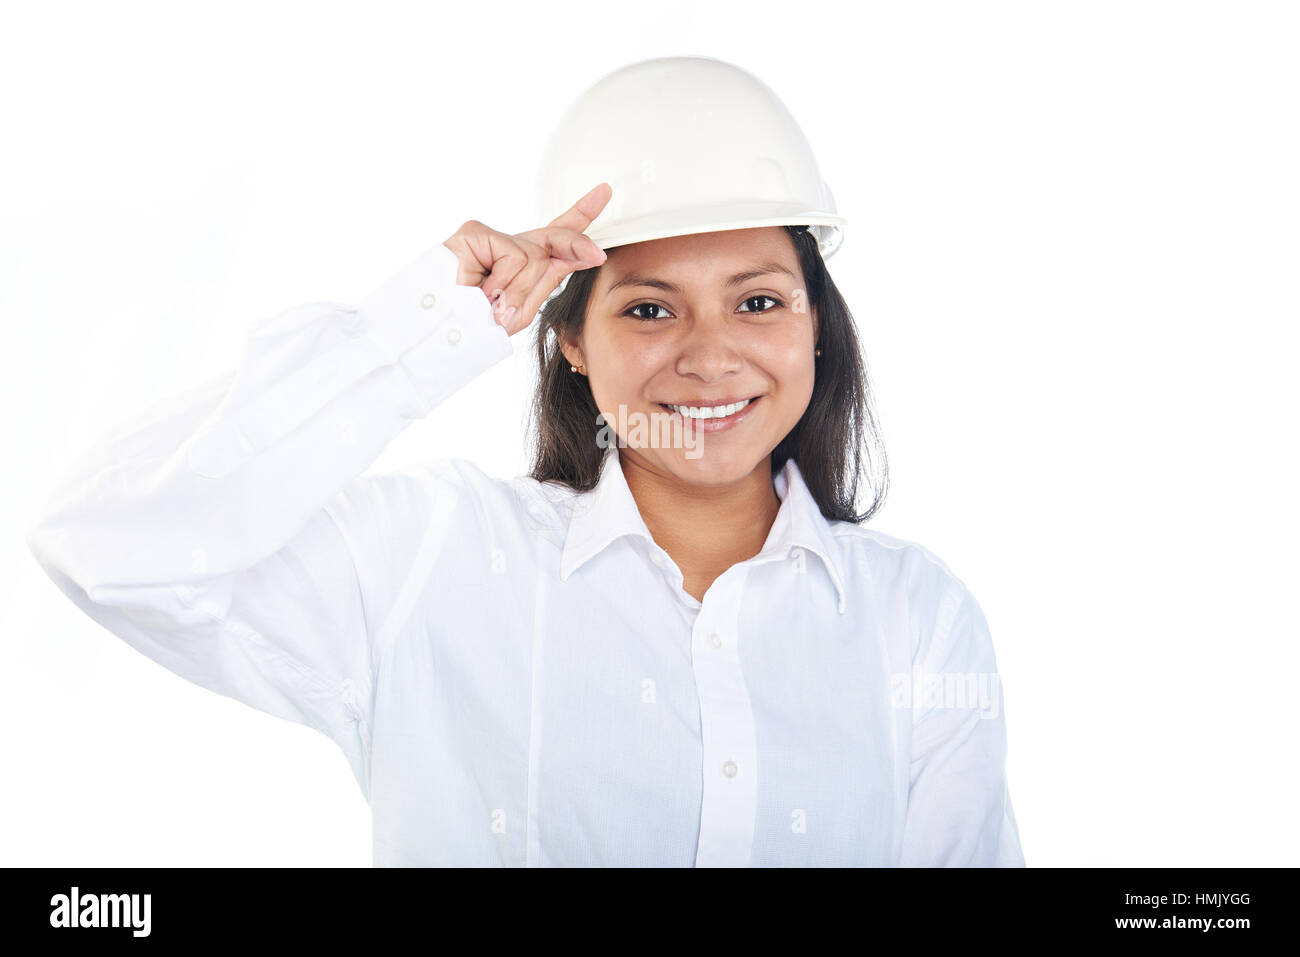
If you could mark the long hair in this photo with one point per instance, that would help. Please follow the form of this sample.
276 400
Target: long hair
836 443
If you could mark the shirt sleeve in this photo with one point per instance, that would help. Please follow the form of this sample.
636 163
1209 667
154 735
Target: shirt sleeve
215 531
959 810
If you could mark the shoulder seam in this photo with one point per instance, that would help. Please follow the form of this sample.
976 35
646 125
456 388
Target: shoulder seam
858 533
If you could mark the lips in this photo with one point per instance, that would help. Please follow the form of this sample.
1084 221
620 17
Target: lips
708 410
740 409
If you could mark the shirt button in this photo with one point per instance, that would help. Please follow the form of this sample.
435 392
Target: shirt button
730 769
453 335
715 640
428 301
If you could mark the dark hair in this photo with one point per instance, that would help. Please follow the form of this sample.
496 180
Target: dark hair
834 443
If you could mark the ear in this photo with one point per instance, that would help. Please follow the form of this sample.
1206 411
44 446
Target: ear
573 353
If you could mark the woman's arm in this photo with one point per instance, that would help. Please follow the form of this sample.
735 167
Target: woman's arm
959 810
209 532
218 533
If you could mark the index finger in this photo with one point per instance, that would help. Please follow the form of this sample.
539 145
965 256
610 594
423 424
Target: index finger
580 215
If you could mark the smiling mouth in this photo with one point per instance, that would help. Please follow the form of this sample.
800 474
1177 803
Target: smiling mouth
711 413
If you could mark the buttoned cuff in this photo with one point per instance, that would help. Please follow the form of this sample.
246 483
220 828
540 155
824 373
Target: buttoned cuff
440 334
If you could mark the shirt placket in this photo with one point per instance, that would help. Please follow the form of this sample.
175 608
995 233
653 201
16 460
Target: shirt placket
730 797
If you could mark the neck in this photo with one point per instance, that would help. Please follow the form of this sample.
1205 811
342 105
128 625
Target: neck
705 530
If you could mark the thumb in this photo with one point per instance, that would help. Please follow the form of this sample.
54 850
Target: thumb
582 213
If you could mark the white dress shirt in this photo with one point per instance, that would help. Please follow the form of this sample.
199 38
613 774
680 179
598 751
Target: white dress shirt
512 670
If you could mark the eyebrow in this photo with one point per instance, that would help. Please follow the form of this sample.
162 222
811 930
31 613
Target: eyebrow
762 269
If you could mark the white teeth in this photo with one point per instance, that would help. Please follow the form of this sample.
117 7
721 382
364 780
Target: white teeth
710 412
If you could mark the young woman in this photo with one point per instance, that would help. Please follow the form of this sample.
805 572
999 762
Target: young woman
673 643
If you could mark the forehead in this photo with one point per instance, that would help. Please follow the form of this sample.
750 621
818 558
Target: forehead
700 256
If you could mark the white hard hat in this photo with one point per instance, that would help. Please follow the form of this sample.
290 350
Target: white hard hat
689 144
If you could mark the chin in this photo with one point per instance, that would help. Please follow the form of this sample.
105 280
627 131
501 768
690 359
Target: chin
714 466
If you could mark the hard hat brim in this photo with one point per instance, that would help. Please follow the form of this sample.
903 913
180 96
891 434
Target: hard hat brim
714 219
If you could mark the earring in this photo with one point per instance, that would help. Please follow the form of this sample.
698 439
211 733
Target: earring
817 352
573 368
582 369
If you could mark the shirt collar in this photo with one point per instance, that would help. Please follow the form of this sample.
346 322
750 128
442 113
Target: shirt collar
608 512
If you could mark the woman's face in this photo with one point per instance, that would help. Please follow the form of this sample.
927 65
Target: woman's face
705 320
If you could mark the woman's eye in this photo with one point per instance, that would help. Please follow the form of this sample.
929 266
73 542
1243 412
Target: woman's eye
635 313
644 305
771 299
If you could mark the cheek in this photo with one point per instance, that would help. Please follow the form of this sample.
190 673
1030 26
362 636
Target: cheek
626 363
788 361
626 367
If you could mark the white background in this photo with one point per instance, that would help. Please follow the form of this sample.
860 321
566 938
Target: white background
1072 252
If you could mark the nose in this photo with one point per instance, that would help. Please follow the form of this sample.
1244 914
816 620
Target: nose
708 353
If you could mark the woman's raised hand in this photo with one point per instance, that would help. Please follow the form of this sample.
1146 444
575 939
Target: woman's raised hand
518 272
